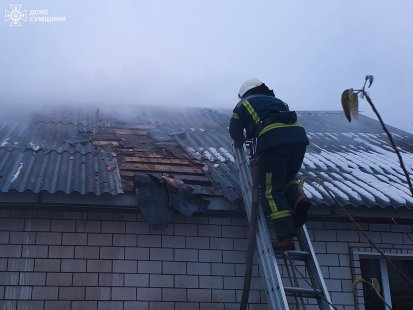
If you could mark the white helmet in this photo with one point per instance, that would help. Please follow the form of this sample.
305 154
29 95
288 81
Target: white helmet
249 84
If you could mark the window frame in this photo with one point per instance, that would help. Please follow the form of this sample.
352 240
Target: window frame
370 253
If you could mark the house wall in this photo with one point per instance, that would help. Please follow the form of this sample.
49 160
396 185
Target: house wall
65 259
112 260
336 245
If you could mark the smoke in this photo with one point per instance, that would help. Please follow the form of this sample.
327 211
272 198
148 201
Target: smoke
194 53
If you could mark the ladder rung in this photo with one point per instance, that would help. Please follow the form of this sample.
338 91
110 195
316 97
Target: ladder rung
295 255
307 292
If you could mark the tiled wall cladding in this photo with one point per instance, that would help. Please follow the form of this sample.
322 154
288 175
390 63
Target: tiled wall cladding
59 259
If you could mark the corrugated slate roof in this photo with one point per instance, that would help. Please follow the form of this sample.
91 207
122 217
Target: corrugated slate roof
45 155
356 161
57 172
37 134
353 159
90 151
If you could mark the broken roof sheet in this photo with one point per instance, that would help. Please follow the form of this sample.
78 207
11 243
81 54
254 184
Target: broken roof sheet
354 159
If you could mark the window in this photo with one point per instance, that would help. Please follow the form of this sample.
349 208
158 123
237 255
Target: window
370 268
397 292
401 291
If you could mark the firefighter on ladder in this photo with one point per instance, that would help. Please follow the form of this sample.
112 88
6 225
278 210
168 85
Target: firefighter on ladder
281 145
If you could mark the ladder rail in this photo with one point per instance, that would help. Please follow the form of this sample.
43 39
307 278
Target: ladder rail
269 270
251 236
314 269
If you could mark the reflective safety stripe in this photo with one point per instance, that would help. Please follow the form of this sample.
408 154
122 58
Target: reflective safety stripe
235 116
268 193
280 214
276 125
251 111
291 183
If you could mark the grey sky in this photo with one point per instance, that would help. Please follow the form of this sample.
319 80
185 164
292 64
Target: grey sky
199 53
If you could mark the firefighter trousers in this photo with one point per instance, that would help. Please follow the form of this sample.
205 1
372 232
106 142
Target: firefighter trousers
279 187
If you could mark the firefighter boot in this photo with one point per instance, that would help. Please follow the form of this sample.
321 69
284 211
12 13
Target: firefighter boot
285 244
301 207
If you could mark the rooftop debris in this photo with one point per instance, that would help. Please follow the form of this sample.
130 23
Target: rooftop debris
138 152
158 196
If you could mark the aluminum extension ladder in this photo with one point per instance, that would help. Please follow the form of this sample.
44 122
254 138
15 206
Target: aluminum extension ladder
275 290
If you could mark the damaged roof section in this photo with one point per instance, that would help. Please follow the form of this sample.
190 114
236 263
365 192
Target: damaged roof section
199 135
138 152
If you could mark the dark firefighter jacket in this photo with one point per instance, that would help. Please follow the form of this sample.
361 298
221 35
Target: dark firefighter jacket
268 118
